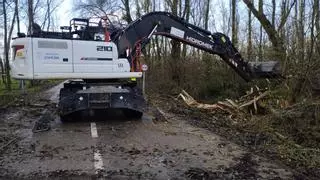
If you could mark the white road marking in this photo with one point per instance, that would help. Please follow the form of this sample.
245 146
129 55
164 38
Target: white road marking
98 163
97 157
94 132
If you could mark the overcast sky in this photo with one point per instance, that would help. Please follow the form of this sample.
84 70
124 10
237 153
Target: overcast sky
65 12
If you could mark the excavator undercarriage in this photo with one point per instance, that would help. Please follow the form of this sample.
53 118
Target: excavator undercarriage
80 96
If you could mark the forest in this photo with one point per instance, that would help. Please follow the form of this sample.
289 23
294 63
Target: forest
285 31
285 123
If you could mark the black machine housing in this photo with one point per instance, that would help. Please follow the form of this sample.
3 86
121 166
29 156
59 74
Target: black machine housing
81 96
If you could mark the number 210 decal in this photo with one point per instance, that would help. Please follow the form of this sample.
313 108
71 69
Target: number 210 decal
104 48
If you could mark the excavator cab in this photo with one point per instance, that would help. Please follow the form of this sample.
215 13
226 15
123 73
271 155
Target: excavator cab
95 28
83 29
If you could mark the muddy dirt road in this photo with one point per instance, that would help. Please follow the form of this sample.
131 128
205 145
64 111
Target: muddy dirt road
111 147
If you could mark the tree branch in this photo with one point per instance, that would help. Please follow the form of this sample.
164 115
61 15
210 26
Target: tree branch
285 17
266 24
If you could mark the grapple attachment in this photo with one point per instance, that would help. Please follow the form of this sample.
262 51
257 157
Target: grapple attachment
268 69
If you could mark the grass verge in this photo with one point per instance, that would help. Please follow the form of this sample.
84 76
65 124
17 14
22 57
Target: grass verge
10 97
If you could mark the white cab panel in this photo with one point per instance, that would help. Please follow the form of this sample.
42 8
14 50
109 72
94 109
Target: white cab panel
52 56
93 56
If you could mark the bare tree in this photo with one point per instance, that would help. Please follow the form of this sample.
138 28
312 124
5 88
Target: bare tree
17 14
206 13
272 33
11 28
260 32
274 6
3 76
6 45
300 31
285 12
225 17
138 9
50 6
249 48
175 50
234 37
147 6
98 7
186 15
127 17
317 24
30 16
317 17
312 36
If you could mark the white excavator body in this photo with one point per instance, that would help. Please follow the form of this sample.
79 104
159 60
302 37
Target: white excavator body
44 58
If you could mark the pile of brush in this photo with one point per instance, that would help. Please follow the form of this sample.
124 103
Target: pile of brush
249 103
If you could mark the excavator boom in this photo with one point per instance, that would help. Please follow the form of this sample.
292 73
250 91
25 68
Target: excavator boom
168 25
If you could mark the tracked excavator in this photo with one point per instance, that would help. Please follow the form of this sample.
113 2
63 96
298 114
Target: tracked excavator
100 58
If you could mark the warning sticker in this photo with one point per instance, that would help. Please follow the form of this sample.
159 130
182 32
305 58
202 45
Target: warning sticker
177 32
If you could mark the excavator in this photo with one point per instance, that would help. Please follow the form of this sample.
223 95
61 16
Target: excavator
100 59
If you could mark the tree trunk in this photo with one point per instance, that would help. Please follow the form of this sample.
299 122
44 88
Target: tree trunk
249 48
260 32
317 17
206 14
2 71
310 48
295 33
175 51
6 46
186 15
234 23
17 12
206 56
175 48
301 30
272 33
153 5
180 8
48 14
317 25
284 11
127 17
30 16
273 12
146 6
11 29
138 9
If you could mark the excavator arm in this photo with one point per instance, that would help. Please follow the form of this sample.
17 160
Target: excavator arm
138 33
